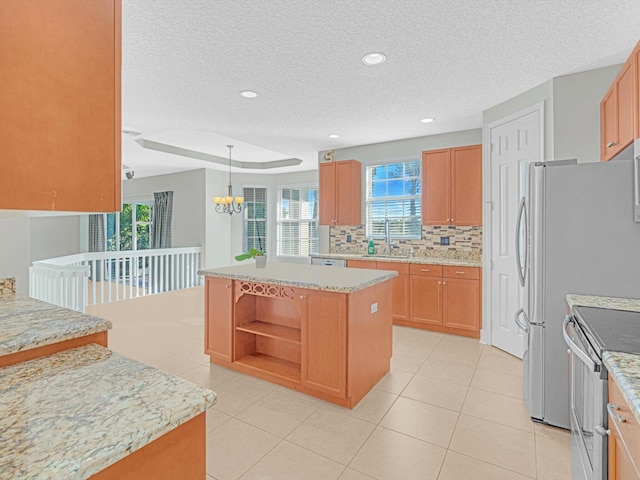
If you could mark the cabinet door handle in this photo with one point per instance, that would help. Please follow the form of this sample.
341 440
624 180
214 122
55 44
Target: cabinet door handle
618 418
301 297
611 144
444 283
452 219
226 286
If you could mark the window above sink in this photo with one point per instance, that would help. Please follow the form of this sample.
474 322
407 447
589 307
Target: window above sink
393 191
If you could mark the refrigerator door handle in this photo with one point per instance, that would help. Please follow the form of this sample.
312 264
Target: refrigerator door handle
522 326
582 355
521 214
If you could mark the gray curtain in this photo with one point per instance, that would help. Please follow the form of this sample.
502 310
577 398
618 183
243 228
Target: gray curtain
161 224
97 242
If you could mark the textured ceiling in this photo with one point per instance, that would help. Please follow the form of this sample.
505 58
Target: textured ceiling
185 62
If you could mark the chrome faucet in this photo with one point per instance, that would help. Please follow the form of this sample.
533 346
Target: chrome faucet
387 235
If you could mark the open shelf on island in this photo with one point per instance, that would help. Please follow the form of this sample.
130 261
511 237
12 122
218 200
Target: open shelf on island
276 366
271 330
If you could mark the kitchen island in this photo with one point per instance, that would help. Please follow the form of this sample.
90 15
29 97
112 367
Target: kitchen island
323 331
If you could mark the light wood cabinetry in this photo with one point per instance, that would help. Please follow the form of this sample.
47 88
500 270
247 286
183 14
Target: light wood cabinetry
624 438
444 298
452 186
218 310
332 345
401 286
617 111
60 105
340 193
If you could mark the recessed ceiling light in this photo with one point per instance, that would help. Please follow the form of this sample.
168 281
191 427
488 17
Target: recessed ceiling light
374 58
334 135
248 94
427 120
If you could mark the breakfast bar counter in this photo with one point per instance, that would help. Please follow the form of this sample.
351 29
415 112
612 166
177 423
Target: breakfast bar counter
91 413
31 328
321 330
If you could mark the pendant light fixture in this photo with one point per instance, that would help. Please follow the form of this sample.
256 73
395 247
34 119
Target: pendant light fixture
226 204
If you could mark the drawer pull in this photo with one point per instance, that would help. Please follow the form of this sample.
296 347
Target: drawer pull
425 270
461 273
618 418
302 297
226 286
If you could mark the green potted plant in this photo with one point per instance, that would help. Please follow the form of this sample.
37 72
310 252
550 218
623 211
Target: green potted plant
259 254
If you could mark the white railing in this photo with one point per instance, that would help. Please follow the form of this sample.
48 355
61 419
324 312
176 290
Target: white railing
76 281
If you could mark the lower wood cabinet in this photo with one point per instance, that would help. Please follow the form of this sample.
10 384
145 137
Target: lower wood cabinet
324 316
444 298
624 438
217 327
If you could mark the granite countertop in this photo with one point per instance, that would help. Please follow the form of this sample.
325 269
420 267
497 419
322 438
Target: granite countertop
613 303
315 277
624 369
26 323
72 414
422 260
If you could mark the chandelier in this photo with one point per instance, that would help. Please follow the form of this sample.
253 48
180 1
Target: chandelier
226 204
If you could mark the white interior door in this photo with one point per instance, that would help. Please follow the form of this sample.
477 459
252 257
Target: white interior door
513 143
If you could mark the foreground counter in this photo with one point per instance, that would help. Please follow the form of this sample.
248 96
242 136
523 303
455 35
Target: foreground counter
323 331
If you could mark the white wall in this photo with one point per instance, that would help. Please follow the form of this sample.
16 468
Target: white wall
14 251
51 237
576 113
187 223
25 239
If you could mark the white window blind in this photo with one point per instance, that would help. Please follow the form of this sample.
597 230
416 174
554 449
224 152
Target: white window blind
297 221
393 192
254 214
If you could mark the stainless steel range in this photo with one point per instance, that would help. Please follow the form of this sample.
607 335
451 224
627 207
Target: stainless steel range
588 334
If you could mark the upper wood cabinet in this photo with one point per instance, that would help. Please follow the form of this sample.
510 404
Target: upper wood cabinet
617 111
60 122
452 186
340 193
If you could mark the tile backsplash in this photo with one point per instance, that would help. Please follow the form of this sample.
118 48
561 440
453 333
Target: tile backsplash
464 242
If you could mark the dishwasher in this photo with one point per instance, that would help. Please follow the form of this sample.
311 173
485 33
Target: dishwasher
329 262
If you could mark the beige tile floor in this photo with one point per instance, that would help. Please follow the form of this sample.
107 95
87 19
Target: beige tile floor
449 409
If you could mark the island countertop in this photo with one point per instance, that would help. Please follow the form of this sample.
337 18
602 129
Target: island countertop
76 412
26 323
315 277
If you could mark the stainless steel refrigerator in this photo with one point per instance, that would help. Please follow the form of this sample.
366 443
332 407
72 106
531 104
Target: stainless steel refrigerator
576 234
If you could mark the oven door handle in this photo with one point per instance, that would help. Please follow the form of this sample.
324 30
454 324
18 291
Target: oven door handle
582 355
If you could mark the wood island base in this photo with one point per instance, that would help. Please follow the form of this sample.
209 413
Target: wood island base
331 345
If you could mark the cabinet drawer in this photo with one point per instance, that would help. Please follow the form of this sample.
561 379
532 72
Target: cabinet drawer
401 268
450 271
361 264
627 430
425 269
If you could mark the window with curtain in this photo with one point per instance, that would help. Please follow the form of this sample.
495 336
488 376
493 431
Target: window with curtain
297 221
129 229
254 216
393 192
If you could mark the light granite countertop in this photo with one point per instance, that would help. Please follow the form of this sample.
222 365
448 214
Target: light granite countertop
624 369
72 414
613 303
315 277
26 323
396 259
